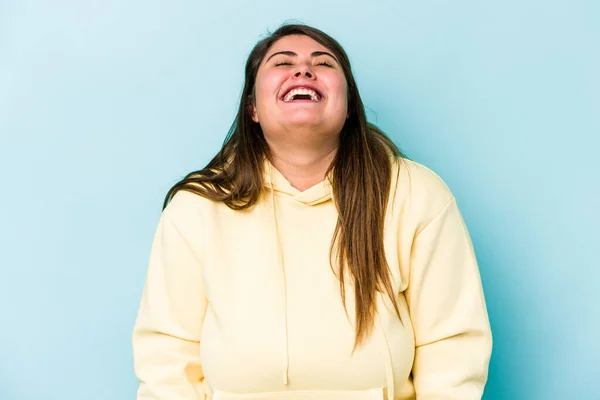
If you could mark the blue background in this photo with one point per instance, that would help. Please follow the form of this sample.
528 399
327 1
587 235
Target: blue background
105 104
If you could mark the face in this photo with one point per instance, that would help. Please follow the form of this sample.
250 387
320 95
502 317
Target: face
300 87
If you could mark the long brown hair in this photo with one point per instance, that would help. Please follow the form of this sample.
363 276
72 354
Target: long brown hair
361 180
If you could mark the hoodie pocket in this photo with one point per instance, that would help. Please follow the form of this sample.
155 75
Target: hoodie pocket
371 394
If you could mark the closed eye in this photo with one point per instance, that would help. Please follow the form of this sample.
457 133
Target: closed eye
327 64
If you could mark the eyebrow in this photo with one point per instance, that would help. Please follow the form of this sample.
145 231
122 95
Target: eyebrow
292 54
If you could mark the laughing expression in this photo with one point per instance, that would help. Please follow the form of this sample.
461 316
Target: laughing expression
300 84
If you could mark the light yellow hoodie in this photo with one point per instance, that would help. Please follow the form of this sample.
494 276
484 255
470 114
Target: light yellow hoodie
244 304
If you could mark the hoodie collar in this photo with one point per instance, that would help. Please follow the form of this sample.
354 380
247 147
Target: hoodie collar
317 194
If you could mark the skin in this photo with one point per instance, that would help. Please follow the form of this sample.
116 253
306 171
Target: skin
303 136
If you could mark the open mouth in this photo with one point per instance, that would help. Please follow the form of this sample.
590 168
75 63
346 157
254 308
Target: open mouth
302 94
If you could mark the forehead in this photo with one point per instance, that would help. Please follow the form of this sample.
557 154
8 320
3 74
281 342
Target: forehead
298 44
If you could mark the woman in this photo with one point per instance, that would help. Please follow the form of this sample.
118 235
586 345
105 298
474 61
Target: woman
310 259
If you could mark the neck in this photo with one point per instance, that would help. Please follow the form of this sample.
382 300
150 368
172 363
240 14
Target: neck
303 167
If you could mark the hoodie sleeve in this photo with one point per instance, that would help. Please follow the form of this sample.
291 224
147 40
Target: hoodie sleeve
453 339
166 334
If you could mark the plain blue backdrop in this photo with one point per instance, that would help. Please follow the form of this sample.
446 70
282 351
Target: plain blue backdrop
105 104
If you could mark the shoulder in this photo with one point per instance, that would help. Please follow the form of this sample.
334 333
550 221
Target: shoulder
423 181
420 190
185 211
183 202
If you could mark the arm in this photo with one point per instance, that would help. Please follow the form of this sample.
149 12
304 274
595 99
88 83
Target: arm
448 311
167 330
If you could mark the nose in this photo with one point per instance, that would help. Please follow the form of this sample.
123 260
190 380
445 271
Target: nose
304 69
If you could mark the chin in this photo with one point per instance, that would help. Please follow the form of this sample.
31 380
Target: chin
305 122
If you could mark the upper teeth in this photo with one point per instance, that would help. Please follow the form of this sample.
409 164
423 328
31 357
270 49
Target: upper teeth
314 96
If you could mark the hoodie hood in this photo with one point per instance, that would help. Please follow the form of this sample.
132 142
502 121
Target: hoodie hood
317 194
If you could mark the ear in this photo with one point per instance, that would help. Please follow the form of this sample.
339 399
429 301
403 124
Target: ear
254 113
252 110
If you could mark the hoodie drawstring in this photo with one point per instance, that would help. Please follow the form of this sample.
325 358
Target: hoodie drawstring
389 372
286 363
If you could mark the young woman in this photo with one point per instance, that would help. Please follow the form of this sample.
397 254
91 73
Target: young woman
310 259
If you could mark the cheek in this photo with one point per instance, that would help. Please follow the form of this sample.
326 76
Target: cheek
268 86
341 91
337 86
